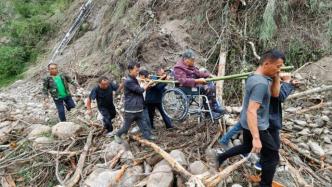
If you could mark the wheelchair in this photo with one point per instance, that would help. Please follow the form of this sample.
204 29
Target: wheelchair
179 102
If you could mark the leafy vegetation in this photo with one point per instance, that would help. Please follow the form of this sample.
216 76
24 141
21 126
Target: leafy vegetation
25 28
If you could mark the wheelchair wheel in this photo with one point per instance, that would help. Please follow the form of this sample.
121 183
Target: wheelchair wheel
175 104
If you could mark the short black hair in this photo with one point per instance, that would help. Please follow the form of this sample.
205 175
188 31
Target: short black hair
143 72
52 63
272 54
103 78
157 69
132 64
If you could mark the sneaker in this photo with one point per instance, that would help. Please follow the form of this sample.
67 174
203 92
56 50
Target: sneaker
152 137
134 130
110 134
117 139
258 166
212 158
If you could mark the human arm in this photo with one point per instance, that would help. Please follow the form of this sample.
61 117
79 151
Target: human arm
256 98
275 87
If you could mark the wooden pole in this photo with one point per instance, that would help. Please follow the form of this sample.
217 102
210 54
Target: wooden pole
227 77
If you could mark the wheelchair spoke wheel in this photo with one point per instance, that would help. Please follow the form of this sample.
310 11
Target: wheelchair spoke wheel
175 104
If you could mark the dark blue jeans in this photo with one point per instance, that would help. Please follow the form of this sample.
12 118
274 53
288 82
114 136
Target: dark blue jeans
129 118
151 108
60 104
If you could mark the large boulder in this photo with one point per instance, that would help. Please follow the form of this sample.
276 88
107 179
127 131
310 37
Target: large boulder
198 167
179 157
162 175
113 148
42 141
65 130
39 131
101 178
131 176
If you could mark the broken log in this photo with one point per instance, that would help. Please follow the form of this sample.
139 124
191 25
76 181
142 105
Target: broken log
172 162
311 91
215 180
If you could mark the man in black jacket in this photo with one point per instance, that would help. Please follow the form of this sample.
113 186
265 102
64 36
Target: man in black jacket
153 99
103 93
134 104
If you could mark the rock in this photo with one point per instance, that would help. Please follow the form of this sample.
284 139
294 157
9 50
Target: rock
326 131
229 180
316 148
198 167
304 132
39 131
3 107
297 127
237 142
304 146
291 109
101 178
147 168
236 185
179 157
162 176
326 112
126 157
113 148
325 118
327 139
42 141
312 125
307 117
317 131
65 130
131 176
300 122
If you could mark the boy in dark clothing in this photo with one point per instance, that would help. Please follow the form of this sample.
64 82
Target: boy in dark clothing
153 99
57 85
134 104
103 93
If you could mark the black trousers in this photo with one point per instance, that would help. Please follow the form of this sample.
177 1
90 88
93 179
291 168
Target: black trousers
152 110
269 154
108 114
129 118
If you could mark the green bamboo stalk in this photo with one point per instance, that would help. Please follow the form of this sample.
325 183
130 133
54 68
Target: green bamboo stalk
228 77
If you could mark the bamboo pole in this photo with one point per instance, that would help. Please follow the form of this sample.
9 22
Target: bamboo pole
227 77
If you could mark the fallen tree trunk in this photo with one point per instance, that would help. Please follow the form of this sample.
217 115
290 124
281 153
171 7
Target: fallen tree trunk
172 162
311 91
215 180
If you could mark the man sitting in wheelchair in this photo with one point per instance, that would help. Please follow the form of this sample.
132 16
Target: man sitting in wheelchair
190 77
